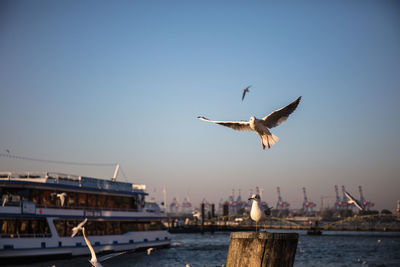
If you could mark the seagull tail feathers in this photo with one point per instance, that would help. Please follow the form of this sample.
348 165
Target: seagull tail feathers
269 140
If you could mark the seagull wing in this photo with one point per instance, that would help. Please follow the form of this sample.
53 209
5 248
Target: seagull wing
236 125
94 258
77 228
280 115
110 256
267 211
352 200
82 223
74 231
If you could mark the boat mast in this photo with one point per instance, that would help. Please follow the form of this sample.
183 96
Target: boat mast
115 173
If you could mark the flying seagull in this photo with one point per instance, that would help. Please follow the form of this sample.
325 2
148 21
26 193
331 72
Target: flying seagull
62 197
77 228
245 90
261 126
257 212
352 200
149 250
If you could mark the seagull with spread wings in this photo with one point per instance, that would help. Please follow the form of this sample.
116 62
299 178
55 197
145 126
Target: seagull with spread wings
261 126
353 201
78 228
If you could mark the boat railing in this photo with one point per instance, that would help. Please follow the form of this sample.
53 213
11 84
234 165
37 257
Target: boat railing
51 206
85 208
75 180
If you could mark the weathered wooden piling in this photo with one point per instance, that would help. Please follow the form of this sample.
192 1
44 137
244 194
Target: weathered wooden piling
262 249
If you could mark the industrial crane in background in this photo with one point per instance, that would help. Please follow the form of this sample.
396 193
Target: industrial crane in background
281 205
308 206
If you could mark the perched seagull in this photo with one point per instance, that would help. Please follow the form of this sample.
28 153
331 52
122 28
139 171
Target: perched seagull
245 90
261 126
93 260
149 250
257 212
62 197
77 228
354 201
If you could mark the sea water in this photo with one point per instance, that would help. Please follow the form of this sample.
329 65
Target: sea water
329 249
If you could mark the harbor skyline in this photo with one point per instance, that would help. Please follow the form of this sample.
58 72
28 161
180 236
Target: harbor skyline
124 83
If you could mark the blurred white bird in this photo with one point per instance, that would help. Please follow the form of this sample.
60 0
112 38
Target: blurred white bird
257 212
93 260
261 126
149 250
62 196
354 201
245 90
77 228
6 197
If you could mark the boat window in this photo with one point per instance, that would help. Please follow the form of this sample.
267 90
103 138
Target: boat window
60 227
126 203
36 196
46 198
11 196
24 227
117 228
90 228
134 202
82 197
71 199
109 228
101 201
110 202
64 227
92 200
101 228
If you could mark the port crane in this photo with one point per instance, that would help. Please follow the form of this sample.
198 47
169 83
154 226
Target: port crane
307 205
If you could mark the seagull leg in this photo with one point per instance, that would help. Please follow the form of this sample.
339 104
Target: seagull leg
262 142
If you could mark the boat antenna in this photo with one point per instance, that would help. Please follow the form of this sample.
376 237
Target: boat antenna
115 173
55 161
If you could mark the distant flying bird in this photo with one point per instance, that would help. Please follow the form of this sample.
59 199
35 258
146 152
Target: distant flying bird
6 197
245 90
257 212
354 201
93 260
149 250
77 228
261 126
62 197
8 151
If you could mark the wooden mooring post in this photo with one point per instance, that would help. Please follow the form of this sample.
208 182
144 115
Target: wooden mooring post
262 249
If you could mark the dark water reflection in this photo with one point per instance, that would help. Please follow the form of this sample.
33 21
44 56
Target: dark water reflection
330 249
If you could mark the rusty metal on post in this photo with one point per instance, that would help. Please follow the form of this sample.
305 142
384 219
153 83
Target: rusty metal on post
262 249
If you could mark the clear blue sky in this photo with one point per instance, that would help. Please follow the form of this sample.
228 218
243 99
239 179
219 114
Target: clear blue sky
124 81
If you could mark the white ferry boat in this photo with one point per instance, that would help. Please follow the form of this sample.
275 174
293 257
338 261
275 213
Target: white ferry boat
39 210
